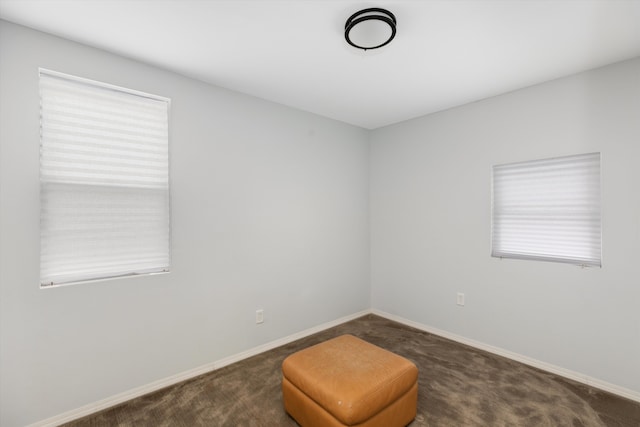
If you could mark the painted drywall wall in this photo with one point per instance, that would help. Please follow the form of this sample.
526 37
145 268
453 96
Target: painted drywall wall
269 210
430 224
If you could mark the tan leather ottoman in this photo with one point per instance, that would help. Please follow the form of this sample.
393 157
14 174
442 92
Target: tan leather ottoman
346 381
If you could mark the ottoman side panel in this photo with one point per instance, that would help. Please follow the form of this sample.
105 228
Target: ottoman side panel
304 410
309 414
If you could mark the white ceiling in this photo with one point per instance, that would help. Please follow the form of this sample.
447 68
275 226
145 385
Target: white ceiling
446 53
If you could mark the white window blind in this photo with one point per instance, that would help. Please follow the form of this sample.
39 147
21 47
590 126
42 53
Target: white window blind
104 181
548 210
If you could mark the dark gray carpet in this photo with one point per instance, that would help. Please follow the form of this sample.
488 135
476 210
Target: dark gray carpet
458 386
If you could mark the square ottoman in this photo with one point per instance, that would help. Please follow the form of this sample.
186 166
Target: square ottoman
346 381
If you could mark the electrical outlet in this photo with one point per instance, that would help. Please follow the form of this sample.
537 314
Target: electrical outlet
260 316
460 298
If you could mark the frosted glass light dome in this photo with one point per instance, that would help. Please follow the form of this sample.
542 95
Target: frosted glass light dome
370 28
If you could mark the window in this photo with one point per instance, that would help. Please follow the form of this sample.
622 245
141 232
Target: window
104 181
548 210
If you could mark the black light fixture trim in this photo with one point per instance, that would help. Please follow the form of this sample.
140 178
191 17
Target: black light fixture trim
373 13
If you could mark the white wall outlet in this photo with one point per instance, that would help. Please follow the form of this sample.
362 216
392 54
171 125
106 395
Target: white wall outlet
460 298
260 316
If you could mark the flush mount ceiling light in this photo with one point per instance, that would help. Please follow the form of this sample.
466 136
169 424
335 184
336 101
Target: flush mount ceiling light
370 28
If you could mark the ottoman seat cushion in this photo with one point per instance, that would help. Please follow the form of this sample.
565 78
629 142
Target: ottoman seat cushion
350 379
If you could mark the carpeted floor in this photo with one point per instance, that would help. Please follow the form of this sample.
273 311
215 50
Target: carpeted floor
458 386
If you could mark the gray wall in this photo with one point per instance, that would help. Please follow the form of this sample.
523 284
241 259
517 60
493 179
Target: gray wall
270 210
430 224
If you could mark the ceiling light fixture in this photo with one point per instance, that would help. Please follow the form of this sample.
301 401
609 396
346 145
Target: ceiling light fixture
370 28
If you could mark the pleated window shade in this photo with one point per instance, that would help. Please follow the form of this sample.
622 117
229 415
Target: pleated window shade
104 181
548 210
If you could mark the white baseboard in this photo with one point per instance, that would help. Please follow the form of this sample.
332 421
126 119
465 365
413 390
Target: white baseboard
286 340
576 376
174 379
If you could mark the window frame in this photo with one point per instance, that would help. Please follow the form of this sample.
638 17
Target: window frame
592 211
161 269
